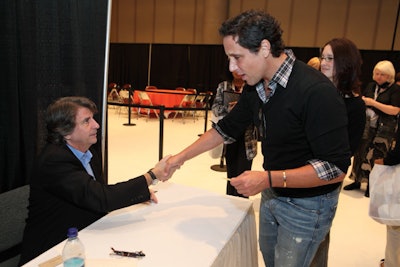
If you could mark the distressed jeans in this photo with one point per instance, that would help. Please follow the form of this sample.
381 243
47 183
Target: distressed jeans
291 229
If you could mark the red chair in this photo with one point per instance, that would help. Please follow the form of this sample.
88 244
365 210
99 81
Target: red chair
113 92
146 101
112 86
188 101
127 86
192 90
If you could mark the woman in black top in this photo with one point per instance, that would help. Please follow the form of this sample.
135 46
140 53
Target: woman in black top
382 98
341 63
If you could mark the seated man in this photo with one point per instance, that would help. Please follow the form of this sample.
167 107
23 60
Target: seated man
67 187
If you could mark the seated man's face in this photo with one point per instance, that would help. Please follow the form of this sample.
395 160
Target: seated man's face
85 132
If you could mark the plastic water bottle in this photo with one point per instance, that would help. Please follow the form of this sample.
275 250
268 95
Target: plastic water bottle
73 253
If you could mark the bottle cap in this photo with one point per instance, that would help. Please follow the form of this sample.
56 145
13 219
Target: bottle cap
72 232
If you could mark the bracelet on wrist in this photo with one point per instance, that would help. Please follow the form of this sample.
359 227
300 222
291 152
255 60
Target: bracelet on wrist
269 178
284 179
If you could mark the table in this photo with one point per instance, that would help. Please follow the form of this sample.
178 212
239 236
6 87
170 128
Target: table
169 91
188 227
163 97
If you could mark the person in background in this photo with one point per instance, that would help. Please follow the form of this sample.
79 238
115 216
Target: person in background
382 98
315 63
303 130
392 251
67 188
236 158
341 63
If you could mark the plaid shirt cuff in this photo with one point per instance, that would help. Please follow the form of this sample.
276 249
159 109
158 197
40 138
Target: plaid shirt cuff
325 170
227 139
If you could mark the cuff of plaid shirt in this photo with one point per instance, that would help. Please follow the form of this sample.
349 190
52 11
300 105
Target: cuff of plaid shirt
325 170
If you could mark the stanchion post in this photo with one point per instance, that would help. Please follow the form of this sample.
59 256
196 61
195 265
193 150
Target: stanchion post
129 108
207 108
161 138
220 167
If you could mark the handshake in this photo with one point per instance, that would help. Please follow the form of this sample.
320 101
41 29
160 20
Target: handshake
166 167
248 183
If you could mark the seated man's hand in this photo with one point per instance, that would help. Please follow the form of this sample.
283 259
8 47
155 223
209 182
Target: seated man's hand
153 197
160 170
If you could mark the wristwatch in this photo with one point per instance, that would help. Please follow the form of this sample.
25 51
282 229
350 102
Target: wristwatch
153 177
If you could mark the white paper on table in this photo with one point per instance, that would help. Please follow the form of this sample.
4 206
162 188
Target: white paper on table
120 262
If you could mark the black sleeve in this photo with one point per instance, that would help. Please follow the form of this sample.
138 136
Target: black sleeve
60 173
393 156
242 115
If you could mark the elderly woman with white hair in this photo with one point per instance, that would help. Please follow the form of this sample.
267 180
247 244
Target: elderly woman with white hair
382 98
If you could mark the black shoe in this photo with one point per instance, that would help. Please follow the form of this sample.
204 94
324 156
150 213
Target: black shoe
352 186
367 191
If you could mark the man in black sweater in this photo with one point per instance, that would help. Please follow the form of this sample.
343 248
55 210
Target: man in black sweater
303 126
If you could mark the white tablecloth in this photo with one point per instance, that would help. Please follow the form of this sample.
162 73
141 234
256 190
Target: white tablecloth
188 227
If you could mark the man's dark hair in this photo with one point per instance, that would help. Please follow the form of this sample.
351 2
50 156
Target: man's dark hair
61 115
251 27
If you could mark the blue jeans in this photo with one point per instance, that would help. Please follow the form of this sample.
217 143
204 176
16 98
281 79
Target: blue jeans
291 229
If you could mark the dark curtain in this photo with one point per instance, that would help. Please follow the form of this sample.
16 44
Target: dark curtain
128 63
49 49
169 65
201 66
172 65
208 64
304 54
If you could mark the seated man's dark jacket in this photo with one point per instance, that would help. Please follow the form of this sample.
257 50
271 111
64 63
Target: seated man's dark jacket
304 121
64 195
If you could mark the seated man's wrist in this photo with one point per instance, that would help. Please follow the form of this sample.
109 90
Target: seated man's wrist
148 178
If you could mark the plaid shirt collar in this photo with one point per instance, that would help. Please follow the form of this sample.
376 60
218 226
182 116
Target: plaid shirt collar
281 77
